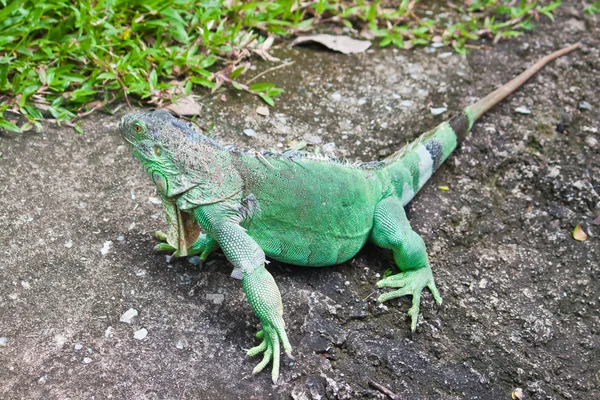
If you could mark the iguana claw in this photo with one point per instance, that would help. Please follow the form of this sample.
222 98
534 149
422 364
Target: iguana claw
160 235
410 282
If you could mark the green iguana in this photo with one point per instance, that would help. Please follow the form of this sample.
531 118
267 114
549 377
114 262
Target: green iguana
296 208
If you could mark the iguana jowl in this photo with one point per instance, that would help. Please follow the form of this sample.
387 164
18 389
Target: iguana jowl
298 209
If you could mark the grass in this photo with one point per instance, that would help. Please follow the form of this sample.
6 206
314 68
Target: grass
61 59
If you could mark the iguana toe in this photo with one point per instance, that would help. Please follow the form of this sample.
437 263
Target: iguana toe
410 282
164 247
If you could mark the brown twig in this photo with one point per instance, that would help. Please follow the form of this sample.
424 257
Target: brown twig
124 91
384 390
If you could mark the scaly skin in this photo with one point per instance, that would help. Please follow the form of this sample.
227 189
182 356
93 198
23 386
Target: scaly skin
298 209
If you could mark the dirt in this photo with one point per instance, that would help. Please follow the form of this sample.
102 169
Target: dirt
520 294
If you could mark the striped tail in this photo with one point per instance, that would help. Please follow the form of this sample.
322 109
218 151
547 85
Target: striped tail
412 166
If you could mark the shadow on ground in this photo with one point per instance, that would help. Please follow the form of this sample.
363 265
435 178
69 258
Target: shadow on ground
520 295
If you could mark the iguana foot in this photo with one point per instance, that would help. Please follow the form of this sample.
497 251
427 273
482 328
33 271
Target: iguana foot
271 334
410 282
203 246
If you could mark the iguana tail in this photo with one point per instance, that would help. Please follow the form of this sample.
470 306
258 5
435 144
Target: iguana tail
413 165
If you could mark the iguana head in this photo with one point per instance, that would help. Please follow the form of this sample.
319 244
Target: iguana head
179 158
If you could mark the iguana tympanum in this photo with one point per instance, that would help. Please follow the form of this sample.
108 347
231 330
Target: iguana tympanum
294 208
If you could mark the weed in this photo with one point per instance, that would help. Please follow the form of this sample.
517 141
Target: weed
61 59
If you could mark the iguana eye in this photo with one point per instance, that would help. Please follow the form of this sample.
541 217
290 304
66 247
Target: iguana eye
157 150
137 127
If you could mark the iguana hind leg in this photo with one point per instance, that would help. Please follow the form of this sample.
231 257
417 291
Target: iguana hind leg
391 230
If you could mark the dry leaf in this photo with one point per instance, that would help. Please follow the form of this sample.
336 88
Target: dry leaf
264 111
185 106
342 44
579 234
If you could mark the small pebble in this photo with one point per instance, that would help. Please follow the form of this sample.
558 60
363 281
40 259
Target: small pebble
216 298
336 96
120 238
180 345
437 45
264 111
250 132
154 200
140 334
445 55
522 110
194 260
140 272
361 102
585 106
407 103
108 332
3 341
184 280
69 244
129 315
106 247
87 360
78 346
312 139
438 110
25 285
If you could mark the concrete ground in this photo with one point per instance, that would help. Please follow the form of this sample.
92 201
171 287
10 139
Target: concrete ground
520 294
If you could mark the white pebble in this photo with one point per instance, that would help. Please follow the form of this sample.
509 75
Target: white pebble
108 332
87 360
140 334
522 110
249 132
216 298
438 110
129 315
107 245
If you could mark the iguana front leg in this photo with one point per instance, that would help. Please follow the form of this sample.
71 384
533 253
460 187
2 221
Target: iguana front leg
391 230
204 246
183 237
220 221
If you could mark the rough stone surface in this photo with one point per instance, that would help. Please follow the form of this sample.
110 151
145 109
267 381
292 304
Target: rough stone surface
520 295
